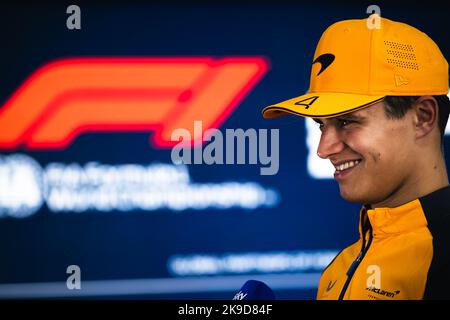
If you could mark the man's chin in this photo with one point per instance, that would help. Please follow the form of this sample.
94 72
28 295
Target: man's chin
353 196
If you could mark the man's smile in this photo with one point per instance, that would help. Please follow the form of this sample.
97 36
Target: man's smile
343 169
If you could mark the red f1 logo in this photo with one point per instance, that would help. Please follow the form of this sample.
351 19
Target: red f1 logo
68 97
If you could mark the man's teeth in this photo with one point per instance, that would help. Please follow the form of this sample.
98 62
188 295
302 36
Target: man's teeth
347 165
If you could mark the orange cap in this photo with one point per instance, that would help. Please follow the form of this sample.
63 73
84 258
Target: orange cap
355 66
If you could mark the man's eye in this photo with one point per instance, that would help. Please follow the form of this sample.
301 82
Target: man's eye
344 122
320 125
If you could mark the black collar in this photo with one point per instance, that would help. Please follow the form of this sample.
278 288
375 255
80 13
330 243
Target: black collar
436 207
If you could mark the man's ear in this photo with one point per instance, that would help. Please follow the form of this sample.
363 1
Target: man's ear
425 115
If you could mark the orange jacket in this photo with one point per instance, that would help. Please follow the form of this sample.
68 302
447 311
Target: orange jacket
402 253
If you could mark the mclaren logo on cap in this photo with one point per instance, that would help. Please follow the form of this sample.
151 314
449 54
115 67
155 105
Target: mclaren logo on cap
325 60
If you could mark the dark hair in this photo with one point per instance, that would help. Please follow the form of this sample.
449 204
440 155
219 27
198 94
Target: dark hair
395 107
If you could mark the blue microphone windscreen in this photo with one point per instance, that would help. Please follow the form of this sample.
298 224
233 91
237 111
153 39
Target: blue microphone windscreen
255 290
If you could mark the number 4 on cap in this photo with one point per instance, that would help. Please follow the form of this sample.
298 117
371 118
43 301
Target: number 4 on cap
310 100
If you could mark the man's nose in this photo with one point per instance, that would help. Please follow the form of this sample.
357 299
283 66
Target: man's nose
330 143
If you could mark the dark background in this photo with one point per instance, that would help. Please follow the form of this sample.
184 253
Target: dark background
136 245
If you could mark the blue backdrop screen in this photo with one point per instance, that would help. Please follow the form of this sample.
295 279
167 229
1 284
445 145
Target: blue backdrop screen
88 185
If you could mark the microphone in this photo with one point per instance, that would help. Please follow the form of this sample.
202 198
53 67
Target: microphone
255 290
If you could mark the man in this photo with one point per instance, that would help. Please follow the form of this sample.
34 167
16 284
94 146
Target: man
379 97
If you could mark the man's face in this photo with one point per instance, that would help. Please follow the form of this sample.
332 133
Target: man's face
377 154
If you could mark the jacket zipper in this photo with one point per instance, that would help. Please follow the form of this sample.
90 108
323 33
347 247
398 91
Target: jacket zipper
356 262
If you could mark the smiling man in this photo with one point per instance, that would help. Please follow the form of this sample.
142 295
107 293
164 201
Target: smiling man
380 99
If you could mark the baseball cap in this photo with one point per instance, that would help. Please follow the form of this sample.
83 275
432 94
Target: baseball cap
355 66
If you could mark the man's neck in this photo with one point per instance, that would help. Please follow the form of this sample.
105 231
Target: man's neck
428 178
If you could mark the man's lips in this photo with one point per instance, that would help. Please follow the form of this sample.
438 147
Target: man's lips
346 168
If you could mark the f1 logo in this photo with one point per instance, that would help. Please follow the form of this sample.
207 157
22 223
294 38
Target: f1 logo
68 97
